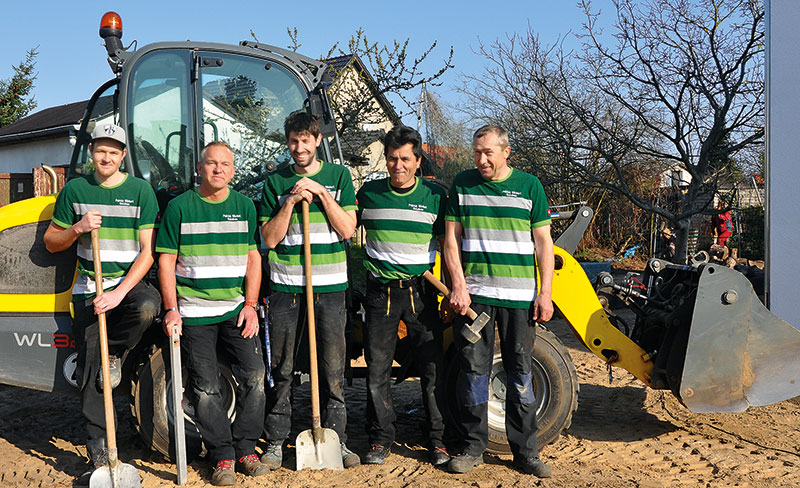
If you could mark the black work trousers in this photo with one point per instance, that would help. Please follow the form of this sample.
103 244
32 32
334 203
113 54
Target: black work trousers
223 439
287 315
417 306
517 334
126 324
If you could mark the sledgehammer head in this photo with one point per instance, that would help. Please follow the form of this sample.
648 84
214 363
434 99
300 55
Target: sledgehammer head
472 332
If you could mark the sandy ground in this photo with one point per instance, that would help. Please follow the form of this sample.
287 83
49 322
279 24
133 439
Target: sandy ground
623 435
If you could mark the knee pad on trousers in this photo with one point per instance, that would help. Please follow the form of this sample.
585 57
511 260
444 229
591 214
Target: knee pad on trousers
474 389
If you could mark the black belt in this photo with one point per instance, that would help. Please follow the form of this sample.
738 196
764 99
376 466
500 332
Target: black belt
406 283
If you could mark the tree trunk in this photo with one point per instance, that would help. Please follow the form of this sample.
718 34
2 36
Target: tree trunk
681 241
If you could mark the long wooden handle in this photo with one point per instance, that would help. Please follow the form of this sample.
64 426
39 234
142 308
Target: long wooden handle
443 289
108 403
312 326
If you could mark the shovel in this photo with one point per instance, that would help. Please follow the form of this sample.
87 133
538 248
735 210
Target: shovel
117 474
316 448
177 403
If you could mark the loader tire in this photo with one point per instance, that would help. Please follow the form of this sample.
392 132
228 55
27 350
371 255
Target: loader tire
152 410
555 385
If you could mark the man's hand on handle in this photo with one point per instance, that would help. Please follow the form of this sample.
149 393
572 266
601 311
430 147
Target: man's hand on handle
90 220
460 300
173 320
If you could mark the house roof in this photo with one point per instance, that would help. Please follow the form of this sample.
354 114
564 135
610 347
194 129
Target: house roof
61 117
337 64
439 154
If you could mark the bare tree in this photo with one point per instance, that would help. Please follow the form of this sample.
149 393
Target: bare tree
390 71
387 71
678 87
449 140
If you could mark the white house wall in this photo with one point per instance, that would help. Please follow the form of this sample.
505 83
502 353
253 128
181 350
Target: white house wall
22 158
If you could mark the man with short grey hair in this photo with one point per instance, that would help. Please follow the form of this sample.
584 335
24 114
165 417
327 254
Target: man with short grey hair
209 268
497 218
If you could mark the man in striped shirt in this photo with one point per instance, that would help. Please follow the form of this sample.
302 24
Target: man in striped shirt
403 216
210 274
496 219
329 190
124 210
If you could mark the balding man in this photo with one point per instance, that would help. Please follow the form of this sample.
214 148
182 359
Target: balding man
210 274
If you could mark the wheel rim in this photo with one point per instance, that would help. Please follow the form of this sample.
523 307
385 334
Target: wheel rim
227 392
497 391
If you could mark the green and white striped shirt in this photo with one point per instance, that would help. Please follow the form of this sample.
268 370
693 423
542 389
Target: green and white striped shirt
402 228
328 257
126 208
497 249
212 240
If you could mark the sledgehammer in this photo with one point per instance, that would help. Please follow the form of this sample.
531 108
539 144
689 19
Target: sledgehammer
472 332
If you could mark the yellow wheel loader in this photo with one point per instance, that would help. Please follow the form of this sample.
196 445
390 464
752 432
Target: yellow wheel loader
699 331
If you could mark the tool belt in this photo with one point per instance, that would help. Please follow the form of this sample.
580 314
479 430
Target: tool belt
405 283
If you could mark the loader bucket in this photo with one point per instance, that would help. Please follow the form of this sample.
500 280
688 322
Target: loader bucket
739 354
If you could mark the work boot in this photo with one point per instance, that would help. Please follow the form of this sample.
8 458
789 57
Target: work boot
273 455
463 463
349 458
223 474
532 465
83 479
98 458
114 370
439 456
251 466
377 454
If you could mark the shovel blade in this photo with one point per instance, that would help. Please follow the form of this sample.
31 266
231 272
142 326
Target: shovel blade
322 451
121 476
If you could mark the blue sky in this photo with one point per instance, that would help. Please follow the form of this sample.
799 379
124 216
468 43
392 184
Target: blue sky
71 61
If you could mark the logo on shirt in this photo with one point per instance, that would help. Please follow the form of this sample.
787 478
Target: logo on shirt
418 207
124 201
233 217
512 193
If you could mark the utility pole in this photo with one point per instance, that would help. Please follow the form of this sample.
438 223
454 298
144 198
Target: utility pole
421 108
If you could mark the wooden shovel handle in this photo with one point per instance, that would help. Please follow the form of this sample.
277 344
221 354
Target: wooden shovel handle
111 434
443 289
312 326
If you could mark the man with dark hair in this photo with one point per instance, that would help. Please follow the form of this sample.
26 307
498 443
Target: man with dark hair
124 210
329 190
210 274
403 216
497 217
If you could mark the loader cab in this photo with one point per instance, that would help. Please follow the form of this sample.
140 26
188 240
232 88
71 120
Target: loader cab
174 98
